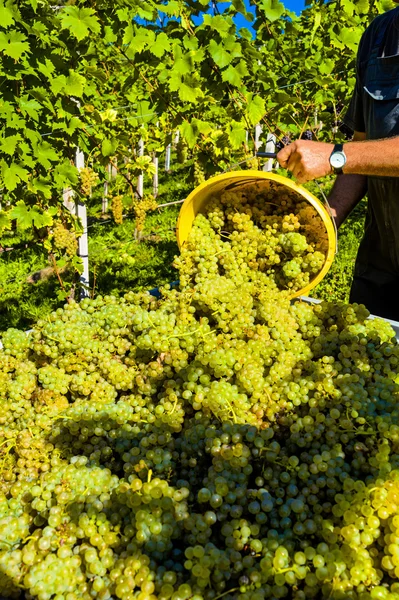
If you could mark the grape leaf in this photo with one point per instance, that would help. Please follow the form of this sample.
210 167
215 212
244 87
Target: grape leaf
202 126
47 68
29 107
189 134
219 54
110 37
232 46
65 174
14 44
45 153
326 66
362 6
350 36
316 25
272 9
58 84
172 8
41 218
237 135
142 38
231 75
75 84
108 147
255 108
5 222
79 21
146 11
220 23
40 184
188 93
128 35
12 175
22 214
9 144
26 216
161 45
123 15
6 15
348 7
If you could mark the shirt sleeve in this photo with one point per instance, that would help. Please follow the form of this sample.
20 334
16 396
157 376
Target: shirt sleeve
354 116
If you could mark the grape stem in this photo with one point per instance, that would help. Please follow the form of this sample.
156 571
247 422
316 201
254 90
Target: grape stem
226 592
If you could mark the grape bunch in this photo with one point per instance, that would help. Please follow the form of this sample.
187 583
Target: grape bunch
280 144
65 239
260 233
141 208
198 173
307 135
182 151
117 208
252 163
88 179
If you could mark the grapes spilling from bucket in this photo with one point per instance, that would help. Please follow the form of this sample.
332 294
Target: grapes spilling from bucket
219 442
257 232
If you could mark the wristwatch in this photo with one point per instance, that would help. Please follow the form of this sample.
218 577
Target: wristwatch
338 159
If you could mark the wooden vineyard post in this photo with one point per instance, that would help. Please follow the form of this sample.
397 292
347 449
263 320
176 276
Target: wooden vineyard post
270 147
140 179
167 157
155 177
83 242
104 205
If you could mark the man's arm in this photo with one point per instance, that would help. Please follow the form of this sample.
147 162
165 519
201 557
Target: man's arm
347 191
310 160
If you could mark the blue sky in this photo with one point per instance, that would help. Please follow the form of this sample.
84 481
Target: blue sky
293 5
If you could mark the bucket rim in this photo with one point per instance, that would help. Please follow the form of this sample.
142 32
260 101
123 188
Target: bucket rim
187 212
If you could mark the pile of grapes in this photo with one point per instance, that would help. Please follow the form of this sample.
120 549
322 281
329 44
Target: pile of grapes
259 232
219 442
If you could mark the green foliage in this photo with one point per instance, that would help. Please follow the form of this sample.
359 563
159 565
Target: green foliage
67 69
97 78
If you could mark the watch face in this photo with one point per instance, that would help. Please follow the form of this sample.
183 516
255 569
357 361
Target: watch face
338 160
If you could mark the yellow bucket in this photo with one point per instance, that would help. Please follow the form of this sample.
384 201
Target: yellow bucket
198 198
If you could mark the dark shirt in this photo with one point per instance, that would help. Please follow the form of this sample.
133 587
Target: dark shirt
355 118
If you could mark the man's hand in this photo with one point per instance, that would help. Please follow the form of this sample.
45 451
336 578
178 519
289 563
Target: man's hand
306 160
